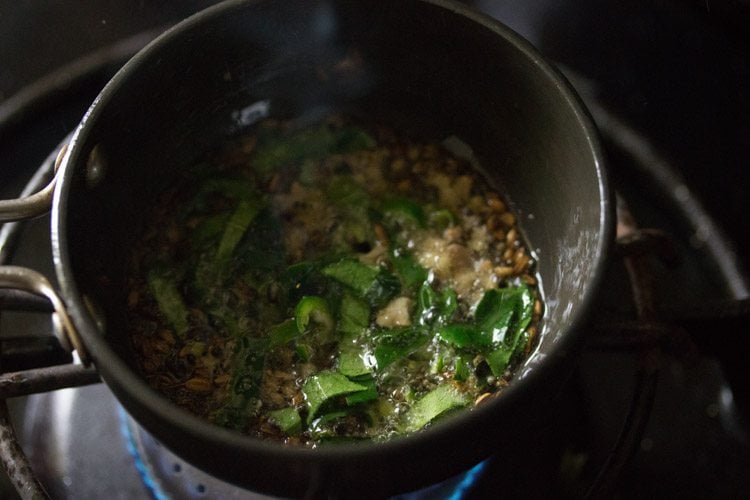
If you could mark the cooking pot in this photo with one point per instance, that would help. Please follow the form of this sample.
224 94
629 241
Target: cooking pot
430 68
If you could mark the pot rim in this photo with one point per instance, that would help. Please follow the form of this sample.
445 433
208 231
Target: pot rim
112 366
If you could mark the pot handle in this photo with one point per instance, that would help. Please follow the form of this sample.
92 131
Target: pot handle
32 205
28 280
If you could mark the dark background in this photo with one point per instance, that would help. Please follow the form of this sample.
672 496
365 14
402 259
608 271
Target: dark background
675 71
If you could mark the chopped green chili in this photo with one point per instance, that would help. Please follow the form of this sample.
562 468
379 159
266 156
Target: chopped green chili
312 314
442 219
170 301
316 286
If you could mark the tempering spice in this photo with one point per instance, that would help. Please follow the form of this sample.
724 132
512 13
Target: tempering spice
331 283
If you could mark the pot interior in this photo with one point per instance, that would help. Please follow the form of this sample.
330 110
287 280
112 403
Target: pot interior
420 67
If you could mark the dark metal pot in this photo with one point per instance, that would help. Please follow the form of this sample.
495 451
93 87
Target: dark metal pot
433 68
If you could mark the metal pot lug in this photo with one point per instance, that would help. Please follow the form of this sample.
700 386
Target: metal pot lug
96 167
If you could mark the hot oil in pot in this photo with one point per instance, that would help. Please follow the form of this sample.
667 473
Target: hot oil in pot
335 282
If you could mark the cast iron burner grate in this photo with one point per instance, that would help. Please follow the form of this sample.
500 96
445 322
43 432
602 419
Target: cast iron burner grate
166 475
52 421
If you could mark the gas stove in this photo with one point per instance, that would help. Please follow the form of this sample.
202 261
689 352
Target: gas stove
656 404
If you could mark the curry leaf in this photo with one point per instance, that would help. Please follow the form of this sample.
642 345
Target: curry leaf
395 344
282 333
496 309
303 278
324 386
411 273
437 402
462 368
352 362
247 372
354 319
505 313
435 308
403 212
248 366
352 273
374 284
236 226
343 190
385 287
354 315
238 189
442 219
370 393
499 327
208 231
276 150
353 139
303 352
288 420
499 359
462 335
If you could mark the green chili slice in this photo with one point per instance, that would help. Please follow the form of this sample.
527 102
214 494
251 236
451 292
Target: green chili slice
312 313
169 301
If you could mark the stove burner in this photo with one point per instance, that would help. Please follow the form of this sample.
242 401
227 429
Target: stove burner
168 476
89 419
